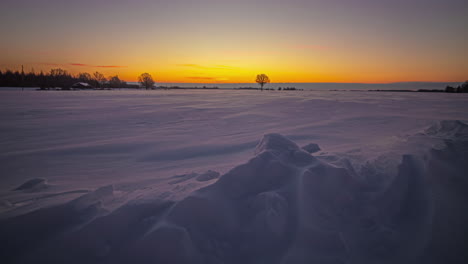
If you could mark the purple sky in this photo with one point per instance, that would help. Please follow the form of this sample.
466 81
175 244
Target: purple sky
296 39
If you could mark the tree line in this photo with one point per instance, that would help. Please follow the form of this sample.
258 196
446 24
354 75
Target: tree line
463 88
60 78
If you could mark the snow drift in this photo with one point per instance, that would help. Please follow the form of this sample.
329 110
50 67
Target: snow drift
284 205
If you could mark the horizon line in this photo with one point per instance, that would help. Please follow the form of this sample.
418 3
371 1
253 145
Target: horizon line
309 82
283 82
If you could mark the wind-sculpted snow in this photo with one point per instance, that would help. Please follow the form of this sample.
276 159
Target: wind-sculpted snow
283 206
311 148
449 129
32 185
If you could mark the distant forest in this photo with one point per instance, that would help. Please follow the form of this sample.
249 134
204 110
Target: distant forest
463 88
60 78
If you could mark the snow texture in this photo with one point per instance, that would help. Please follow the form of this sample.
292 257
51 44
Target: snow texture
398 197
311 148
31 185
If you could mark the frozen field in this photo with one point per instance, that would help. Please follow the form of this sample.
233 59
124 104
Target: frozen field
190 177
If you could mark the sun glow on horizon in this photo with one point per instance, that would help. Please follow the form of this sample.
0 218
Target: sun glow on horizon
227 42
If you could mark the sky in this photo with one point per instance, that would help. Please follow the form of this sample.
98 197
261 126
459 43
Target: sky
221 41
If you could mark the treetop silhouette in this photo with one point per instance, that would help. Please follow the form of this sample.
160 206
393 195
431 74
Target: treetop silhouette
262 79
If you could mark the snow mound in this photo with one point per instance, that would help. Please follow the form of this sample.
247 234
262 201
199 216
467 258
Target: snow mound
95 198
208 176
311 148
275 142
27 232
32 185
449 129
282 206
201 177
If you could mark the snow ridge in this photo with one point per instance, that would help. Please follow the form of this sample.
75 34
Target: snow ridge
283 206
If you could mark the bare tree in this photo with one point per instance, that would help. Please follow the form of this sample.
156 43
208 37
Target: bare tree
58 72
115 82
84 77
262 79
60 78
99 79
146 80
22 78
464 87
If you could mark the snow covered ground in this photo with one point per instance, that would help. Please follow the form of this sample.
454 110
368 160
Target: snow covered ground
220 177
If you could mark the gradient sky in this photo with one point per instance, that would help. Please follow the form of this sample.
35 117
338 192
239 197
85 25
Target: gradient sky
231 41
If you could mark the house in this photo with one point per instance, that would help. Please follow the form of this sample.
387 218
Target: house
81 85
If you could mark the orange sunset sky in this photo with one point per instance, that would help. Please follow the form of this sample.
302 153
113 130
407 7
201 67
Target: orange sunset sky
210 41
